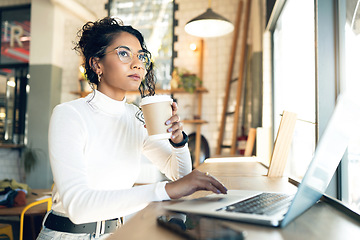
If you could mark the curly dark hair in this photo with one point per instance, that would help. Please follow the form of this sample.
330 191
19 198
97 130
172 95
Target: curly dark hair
96 36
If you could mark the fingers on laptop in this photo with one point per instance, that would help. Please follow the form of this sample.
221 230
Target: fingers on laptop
204 181
212 184
193 182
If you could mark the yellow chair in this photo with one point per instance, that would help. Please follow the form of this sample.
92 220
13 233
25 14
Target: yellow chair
46 199
6 230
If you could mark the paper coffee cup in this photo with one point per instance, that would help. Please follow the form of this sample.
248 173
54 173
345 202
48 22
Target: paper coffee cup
157 110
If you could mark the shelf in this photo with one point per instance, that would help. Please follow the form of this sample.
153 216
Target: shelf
11 145
181 90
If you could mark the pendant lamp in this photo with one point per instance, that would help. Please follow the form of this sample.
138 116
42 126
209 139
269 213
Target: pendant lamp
209 24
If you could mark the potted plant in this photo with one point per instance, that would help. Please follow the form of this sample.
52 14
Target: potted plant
186 80
29 158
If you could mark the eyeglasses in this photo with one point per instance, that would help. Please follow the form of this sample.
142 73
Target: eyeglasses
126 55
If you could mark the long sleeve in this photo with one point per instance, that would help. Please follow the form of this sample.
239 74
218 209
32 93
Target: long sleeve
178 160
95 160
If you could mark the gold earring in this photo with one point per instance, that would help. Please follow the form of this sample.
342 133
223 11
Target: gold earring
99 77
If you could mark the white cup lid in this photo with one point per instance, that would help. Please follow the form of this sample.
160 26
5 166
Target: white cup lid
155 99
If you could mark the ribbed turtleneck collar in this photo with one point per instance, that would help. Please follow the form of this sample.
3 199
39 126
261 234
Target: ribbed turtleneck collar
102 102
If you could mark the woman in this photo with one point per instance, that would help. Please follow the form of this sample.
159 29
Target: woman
95 143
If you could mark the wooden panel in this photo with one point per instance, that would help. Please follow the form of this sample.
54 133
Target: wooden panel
250 142
240 76
229 77
282 144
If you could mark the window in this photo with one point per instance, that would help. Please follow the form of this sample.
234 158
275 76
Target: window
351 166
294 79
308 85
13 98
154 19
14 59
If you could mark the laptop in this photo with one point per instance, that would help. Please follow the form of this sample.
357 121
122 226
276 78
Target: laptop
329 151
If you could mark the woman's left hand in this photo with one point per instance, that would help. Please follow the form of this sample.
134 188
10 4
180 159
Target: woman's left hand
176 127
194 181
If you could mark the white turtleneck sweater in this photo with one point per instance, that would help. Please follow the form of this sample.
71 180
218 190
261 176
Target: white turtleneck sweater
95 147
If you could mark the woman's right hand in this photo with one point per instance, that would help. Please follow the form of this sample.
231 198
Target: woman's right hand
193 182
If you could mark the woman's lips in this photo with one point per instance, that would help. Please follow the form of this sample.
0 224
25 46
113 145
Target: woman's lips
135 76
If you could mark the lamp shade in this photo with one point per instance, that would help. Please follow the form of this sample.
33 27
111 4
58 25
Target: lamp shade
209 24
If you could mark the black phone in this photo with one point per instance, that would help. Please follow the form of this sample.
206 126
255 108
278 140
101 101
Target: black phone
197 227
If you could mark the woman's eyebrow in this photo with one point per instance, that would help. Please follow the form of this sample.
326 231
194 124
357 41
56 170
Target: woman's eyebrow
126 47
121 46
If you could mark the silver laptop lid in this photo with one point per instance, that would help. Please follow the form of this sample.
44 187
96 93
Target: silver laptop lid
344 122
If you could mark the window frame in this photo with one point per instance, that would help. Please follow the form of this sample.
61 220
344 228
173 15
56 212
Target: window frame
327 56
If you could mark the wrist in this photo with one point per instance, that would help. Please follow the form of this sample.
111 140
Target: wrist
182 143
168 189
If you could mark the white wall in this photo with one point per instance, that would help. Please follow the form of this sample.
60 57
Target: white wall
75 13
216 59
216 55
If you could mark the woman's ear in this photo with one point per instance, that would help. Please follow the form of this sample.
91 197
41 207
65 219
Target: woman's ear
94 62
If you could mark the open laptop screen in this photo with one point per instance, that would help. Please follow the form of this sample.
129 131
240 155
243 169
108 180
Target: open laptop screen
344 122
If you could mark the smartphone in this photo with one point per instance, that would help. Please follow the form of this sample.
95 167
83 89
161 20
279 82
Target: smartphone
197 227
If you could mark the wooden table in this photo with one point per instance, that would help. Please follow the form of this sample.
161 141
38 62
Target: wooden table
30 198
322 221
12 215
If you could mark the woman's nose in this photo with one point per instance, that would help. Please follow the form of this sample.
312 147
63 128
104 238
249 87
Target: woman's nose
136 63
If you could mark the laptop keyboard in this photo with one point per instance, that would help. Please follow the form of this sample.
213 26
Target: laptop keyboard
263 204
